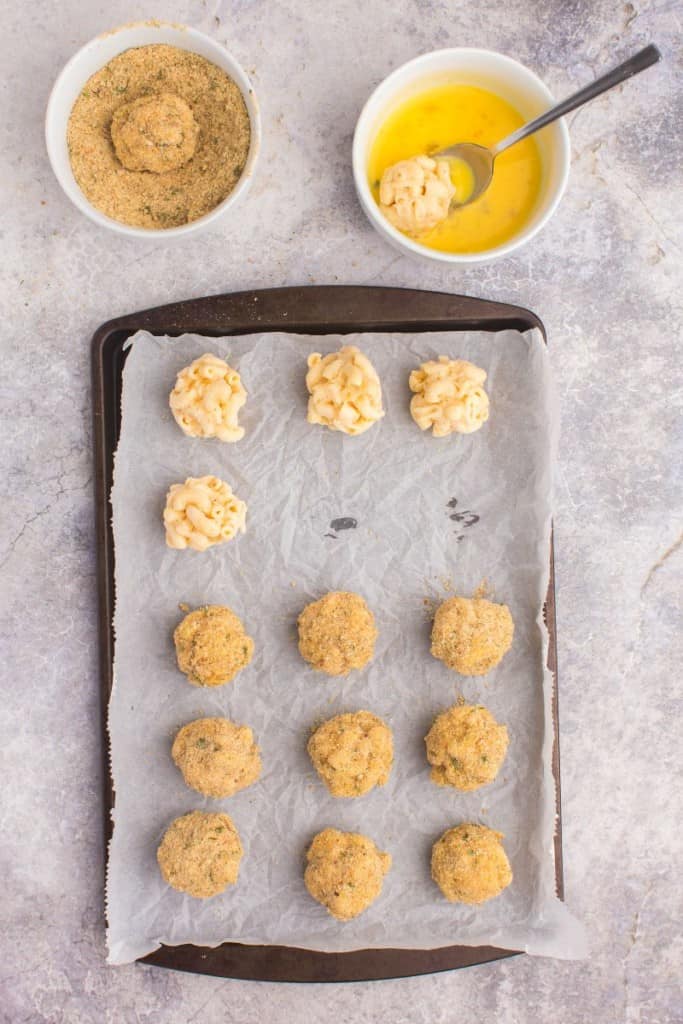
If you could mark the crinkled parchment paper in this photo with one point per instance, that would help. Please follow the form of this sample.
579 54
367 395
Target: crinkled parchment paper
404 519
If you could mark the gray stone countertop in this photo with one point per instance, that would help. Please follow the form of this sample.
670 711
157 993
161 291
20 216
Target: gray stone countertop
605 276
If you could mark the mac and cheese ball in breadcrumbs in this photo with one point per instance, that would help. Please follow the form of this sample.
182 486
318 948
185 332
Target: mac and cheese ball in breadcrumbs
345 872
217 757
466 747
200 854
352 753
449 396
207 398
211 645
337 633
471 635
201 512
470 865
345 392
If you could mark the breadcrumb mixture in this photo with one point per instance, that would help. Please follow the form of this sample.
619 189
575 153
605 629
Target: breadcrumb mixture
193 113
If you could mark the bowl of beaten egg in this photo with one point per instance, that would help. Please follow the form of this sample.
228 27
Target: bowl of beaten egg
435 101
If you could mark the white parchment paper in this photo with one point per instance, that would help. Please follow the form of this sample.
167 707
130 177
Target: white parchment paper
431 516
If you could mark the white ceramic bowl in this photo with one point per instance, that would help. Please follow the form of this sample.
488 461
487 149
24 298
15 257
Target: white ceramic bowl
93 56
488 70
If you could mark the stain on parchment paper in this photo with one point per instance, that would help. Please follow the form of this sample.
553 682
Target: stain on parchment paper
337 526
463 518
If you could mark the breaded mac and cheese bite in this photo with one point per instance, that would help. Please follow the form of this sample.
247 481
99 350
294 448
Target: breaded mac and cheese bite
466 747
345 872
337 633
217 757
345 392
201 512
207 398
470 865
200 854
352 753
212 646
471 635
449 396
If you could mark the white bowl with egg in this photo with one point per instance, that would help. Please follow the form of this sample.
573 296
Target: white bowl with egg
487 70
90 59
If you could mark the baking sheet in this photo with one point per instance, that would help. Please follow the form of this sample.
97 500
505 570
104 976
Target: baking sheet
432 517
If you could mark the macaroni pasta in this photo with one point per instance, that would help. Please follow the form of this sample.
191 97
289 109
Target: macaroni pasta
201 512
207 398
345 391
449 396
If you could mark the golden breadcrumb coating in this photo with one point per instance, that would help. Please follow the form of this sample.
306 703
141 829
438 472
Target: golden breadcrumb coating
200 854
470 865
211 646
352 753
216 757
471 635
337 633
345 872
466 747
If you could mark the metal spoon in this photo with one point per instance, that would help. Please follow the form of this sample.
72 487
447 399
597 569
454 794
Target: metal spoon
480 158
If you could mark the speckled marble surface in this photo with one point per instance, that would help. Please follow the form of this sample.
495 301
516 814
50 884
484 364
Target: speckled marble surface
606 278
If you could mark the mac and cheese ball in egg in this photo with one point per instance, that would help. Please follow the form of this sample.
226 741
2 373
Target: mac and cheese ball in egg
470 865
415 195
449 396
466 747
216 757
345 872
471 635
345 391
212 646
352 753
207 398
200 854
202 512
337 633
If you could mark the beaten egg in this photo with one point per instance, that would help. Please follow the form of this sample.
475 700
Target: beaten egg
442 116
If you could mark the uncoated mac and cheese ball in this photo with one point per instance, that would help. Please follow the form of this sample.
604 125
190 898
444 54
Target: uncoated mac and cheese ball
449 396
207 398
415 195
345 392
201 512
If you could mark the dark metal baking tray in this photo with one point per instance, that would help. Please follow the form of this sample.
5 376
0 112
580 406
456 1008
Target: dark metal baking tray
306 310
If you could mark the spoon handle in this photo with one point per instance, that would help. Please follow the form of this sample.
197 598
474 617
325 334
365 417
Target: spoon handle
641 60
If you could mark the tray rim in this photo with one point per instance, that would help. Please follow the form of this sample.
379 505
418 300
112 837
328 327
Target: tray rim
266 311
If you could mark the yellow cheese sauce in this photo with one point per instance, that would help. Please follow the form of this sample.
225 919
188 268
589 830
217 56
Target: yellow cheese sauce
440 117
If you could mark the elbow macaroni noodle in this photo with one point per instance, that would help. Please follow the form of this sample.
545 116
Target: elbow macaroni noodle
207 398
449 396
345 391
201 512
